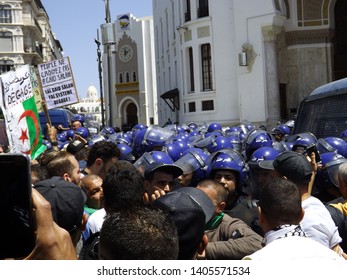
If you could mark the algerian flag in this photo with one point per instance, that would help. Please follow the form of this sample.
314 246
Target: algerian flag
20 113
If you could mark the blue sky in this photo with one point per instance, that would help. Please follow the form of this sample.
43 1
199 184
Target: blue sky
75 23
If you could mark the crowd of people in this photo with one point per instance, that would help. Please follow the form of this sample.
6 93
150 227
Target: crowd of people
190 192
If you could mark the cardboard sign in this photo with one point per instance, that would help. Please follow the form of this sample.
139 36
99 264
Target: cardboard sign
58 84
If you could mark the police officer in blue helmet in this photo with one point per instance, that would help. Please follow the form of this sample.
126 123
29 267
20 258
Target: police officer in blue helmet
228 167
159 172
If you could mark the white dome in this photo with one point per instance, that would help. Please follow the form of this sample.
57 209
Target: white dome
92 92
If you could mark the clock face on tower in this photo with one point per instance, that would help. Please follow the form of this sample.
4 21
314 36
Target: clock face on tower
125 53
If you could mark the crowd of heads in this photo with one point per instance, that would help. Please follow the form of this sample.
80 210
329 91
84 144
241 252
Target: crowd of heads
145 179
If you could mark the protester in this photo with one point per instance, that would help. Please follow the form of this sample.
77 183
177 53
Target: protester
92 187
280 213
228 238
101 156
138 233
190 209
317 222
52 241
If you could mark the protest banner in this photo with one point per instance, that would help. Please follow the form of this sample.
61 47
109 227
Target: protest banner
36 89
58 84
20 113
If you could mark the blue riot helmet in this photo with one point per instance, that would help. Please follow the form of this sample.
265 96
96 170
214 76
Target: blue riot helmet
107 131
213 127
236 142
182 145
301 144
62 137
83 132
261 156
193 166
77 117
305 135
153 138
122 138
290 124
324 147
139 127
94 139
126 153
261 168
228 159
283 146
220 143
173 151
255 140
205 143
326 176
280 131
70 134
338 144
150 162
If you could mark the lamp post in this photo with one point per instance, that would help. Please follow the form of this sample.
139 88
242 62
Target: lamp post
100 79
108 39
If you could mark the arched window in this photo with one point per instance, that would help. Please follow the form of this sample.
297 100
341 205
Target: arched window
127 77
120 78
134 76
5 14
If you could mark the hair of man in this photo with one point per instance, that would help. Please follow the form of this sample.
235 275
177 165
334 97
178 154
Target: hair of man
105 150
139 233
280 202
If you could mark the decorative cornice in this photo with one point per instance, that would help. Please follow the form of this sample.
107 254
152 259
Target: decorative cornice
309 36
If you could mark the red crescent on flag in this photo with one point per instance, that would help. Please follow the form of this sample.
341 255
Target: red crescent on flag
31 114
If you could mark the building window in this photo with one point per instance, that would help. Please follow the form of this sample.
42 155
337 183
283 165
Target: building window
5 14
191 69
120 78
6 41
206 67
127 77
6 65
191 107
203 9
187 14
134 76
207 105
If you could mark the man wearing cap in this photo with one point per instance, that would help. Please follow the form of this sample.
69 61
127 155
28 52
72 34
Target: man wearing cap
67 201
317 222
190 209
228 238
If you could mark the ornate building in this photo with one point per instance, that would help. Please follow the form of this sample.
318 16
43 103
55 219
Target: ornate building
25 35
255 60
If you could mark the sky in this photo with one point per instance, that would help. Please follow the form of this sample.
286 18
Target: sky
75 23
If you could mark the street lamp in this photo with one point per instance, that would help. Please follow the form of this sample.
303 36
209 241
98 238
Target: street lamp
100 79
108 39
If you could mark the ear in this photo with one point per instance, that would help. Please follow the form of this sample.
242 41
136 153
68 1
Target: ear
66 177
221 207
98 162
203 243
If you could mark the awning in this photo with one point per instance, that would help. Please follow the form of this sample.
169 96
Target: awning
171 98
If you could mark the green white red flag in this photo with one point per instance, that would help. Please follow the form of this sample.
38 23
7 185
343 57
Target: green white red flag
19 109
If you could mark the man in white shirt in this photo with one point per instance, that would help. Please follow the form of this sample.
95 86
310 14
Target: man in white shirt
280 213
